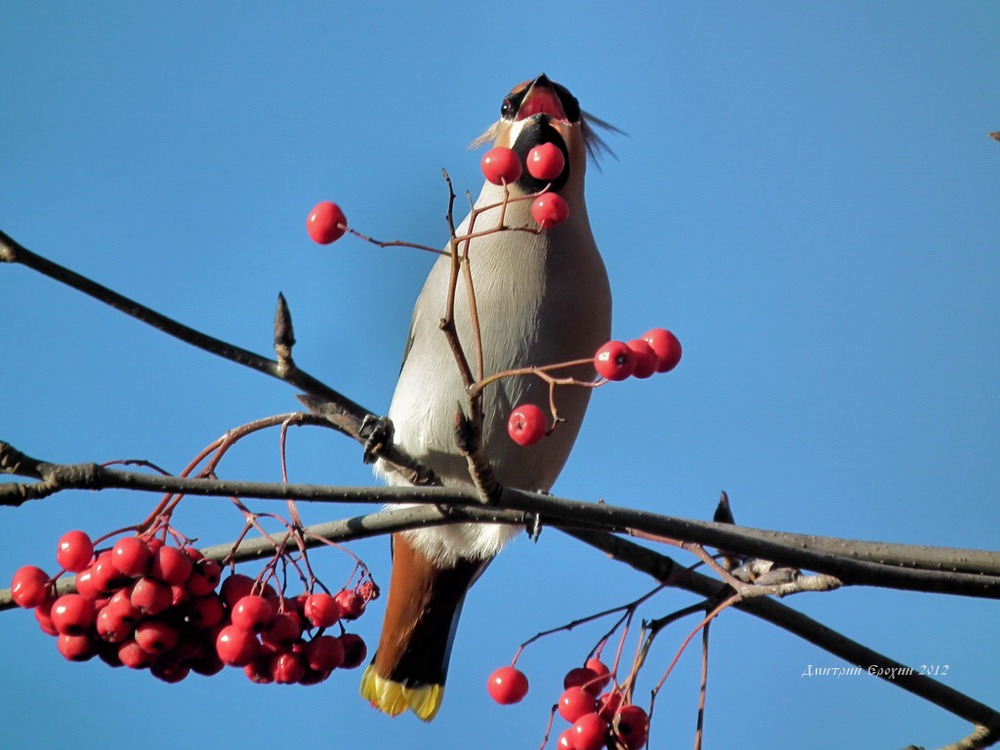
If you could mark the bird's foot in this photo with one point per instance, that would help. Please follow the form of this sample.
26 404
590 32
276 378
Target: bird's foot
377 433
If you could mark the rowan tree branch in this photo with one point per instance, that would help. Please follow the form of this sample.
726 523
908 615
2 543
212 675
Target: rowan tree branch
852 564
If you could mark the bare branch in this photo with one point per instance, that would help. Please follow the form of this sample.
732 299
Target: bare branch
852 566
981 737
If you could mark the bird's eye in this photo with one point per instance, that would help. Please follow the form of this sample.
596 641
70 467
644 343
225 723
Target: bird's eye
507 108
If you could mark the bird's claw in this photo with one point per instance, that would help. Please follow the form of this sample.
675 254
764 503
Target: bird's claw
377 432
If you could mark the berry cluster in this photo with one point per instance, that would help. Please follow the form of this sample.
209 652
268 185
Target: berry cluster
599 720
265 634
544 162
657 351
146 604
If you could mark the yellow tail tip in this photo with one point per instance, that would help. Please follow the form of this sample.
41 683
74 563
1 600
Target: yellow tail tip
394 698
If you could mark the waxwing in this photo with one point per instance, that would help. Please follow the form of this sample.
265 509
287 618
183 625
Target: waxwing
542 297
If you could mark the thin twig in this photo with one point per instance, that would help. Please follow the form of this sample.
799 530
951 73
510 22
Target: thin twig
397 243
702 688
866 660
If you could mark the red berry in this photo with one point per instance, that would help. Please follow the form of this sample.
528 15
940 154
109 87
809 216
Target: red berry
169 670
297 604
76 647
154 543
252 613
105 576
190 644
134 656
666 346
287 668
500 165
179 595
150 596
121 605
43 614
599 668
545 162
236 647
204 578
267 591
170 565
130 556
85 585
607 705
29 587
351 604
565 741
326 223
282 631
527 425
614 361
507 685
313 677
646 360
549 209
259 670
207 664
198 584
108 653
355 650
325 652
72 614
575 702
322 610
589 732
156 636
75 551
582 677
205 611
235 587
631 727
112 627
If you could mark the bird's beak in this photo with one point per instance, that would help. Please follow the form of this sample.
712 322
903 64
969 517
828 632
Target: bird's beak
542 98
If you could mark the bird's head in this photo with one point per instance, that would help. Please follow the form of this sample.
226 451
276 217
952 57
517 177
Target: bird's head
543 111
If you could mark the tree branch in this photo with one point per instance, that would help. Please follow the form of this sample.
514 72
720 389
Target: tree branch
852 565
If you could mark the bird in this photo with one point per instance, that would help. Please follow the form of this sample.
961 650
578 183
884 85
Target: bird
542 297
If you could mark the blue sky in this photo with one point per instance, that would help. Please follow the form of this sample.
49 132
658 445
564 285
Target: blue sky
806 196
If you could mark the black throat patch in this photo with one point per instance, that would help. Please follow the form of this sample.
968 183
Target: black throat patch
535 134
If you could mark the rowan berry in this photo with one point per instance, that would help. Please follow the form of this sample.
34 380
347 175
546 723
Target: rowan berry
507 685
501 165
527 425
326 223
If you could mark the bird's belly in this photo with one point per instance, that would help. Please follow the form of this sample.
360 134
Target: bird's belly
528 316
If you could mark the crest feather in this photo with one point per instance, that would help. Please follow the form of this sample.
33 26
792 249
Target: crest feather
595 144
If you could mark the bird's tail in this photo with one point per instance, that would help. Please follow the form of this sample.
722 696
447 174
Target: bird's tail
421 615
